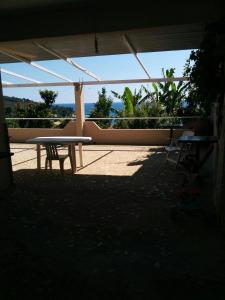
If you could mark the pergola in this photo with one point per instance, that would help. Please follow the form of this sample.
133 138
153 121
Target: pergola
78 86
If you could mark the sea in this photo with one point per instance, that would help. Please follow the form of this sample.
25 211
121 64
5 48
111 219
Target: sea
89 106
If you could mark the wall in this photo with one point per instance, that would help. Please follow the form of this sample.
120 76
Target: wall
99 136
126 136
20 135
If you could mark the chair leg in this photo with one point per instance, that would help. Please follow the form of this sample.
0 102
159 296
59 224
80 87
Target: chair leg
69 150
181 153
167 156
70 156
61 164
50 164
46 164
178 160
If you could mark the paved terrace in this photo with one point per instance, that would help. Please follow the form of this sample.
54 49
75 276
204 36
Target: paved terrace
106 232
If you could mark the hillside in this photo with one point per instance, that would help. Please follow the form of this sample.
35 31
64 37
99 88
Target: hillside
11 105
12 101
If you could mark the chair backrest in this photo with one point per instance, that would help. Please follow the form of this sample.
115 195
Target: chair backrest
174 141
188 133
51 151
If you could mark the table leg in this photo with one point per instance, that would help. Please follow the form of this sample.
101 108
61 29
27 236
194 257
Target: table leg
198 153
171 133
73 154
81 154
171 136
197 157
38 156
180 155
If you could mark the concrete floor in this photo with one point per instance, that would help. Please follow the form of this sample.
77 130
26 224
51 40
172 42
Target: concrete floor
98 159
109 231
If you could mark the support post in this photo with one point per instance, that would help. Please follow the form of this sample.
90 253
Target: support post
219 192
6 176
220 173
80 116
214 120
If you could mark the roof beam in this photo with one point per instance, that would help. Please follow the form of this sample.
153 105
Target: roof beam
68 60
19 76
133 50
125 81
25 60
6 82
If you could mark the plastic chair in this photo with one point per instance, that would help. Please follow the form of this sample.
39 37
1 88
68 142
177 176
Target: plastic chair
174 147
52 154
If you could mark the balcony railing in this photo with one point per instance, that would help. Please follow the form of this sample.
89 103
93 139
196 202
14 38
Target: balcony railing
170 120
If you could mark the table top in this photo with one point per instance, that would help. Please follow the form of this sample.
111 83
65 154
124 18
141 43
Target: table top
60 139
198 139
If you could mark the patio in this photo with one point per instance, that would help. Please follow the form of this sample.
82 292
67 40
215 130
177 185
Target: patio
106 232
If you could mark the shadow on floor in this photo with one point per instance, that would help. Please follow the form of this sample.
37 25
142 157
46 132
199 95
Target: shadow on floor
106 237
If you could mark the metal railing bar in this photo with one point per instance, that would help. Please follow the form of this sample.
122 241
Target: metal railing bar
114 118
40 118
145 118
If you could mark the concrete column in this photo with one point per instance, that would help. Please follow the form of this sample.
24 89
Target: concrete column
80 117
5 162
80 114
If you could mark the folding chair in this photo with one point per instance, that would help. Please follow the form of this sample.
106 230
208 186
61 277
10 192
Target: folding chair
175 148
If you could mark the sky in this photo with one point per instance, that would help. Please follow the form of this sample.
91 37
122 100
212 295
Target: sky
109 67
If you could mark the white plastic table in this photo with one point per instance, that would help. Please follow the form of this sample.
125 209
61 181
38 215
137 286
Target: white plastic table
199 141
61 140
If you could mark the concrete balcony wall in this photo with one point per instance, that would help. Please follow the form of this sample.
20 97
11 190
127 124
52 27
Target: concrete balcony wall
20 135
99 136
127 136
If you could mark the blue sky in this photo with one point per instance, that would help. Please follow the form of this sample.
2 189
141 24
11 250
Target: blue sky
105 67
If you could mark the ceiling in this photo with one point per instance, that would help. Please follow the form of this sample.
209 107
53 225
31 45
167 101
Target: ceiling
10 6
77 28
143 40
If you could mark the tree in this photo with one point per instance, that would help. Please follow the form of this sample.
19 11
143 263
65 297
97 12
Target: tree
131 107
24 110
168 94
130 100
37 110
48 97
205 67
149 109
102 109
